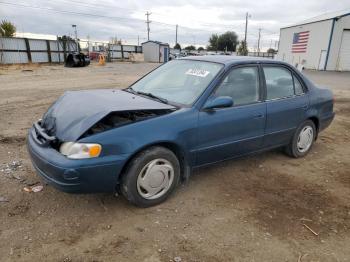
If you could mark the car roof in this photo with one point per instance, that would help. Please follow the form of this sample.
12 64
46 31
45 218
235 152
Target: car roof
229 59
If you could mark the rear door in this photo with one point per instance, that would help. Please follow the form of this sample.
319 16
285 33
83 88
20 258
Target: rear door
227 132
286 104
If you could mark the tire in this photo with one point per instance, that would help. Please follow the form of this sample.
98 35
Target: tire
294 149
148 172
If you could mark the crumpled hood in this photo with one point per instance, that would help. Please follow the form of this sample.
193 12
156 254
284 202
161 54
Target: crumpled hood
76 111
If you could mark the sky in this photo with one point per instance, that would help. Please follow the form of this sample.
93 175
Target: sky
196 19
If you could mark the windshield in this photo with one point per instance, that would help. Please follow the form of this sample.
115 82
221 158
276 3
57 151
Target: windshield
178 81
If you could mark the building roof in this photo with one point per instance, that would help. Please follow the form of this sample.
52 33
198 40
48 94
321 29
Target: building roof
226 59
156 42
323 17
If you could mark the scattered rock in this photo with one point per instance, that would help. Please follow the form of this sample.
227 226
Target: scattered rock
140 229
177 259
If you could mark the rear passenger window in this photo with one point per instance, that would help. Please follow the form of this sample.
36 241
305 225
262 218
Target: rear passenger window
297 86
279 82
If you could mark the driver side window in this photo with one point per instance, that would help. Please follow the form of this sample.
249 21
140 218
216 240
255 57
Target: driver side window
242 84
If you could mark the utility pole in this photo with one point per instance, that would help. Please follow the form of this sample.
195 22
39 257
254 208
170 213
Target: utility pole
246 27
138 40
75 32
259 40
148 22
176 35
247 15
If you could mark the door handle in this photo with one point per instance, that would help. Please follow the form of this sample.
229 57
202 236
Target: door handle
304 107
259 116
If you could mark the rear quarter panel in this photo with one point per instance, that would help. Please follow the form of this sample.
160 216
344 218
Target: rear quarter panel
321 106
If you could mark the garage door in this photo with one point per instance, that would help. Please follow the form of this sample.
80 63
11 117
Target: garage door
344 55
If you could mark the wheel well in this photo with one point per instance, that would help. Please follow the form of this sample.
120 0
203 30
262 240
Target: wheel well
171 146
317 123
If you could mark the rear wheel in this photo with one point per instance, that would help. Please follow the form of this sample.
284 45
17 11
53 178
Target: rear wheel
303 140
150 177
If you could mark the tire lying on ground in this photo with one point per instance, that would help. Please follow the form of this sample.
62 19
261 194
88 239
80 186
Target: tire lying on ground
77 60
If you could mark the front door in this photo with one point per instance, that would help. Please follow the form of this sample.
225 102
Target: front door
228 132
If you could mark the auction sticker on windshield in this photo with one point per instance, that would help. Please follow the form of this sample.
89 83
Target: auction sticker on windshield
197 72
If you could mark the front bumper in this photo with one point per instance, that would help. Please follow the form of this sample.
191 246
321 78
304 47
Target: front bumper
75 176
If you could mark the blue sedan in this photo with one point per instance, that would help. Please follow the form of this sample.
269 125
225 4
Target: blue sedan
143 140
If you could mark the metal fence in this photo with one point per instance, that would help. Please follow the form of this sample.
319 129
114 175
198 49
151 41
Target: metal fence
24 50
261 54
122 51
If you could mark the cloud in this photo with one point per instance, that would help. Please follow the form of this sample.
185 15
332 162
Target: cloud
197 20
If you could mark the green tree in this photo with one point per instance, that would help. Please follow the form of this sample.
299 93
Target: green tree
177 46
213 42
228 41
7 29
242 48
190 48
225 42
200 48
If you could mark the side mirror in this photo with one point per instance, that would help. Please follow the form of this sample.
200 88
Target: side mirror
219 102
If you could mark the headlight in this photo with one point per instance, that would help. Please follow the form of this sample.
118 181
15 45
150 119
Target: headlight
80 150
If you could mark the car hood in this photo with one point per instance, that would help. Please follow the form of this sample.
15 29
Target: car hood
76 111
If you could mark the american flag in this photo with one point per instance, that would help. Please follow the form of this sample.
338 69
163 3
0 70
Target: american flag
300 42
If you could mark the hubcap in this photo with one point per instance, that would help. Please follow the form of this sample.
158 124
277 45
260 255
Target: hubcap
155 179
305 139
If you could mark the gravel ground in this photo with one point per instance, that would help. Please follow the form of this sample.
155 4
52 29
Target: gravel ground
250 209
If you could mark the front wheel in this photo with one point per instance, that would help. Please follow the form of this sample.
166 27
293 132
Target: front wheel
150 177
303 140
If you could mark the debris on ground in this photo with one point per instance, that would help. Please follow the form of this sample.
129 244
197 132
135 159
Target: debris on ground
3 199
11 167
37 189
312 231
34 189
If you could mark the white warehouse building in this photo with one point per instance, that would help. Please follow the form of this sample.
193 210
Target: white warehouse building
321 43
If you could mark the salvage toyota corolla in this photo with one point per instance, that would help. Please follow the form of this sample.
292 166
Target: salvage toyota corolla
142 140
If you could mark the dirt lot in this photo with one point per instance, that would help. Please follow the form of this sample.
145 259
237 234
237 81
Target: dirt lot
250 209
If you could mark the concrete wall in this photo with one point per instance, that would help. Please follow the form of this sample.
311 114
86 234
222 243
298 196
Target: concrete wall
151 52
339 26
318 41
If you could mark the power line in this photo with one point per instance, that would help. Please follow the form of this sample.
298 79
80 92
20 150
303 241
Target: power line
110 17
